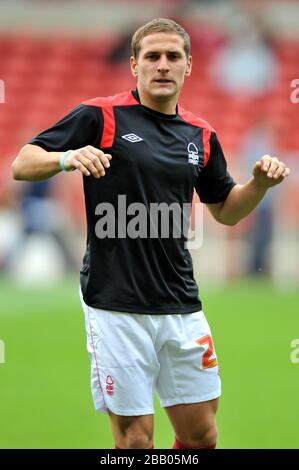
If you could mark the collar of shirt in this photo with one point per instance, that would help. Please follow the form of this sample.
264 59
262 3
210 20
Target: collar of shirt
152 111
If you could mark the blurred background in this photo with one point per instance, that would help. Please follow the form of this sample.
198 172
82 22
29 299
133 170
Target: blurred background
53 55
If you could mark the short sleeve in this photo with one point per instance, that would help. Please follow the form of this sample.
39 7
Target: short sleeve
82 126
214 182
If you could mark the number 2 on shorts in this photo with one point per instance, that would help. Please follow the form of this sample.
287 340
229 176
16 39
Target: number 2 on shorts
207 362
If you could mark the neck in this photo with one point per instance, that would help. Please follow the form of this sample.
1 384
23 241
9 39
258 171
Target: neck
165 106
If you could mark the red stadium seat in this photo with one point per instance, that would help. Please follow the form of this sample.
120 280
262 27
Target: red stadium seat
46 77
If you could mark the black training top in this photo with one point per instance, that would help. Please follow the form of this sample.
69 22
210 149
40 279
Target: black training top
156 158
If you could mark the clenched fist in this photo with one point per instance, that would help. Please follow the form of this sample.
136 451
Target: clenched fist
89 160
269 171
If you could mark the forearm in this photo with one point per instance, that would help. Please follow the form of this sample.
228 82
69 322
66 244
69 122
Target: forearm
241 200
35 164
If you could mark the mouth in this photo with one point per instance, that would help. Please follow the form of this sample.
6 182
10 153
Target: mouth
163 81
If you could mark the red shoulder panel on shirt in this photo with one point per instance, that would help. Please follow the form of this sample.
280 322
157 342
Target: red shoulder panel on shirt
207 129
194 120
108 127
206 135
107 104
121 99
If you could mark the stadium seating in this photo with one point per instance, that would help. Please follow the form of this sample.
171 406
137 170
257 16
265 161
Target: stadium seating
45 77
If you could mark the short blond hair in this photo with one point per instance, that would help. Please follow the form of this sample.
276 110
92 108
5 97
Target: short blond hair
159 25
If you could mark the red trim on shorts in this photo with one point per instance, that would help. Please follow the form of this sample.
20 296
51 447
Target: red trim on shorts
94 351
108 128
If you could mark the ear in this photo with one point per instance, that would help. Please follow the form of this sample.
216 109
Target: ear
189 67
134 67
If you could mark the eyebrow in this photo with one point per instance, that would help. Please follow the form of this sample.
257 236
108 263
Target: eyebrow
159 52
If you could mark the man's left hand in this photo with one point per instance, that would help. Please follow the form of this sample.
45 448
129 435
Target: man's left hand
269 171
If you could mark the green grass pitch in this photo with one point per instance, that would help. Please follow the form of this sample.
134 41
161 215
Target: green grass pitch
45 401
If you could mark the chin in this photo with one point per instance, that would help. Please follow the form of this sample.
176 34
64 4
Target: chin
163 93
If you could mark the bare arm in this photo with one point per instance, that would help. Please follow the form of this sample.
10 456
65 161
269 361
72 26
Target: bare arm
36 164
242 199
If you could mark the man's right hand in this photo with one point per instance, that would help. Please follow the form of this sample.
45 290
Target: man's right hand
89 160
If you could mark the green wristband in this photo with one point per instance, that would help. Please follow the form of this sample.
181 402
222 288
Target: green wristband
61 161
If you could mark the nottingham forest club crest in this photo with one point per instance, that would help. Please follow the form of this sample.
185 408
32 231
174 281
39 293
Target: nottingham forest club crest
193 154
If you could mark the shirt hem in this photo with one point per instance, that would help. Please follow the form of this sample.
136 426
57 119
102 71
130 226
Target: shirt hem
147 311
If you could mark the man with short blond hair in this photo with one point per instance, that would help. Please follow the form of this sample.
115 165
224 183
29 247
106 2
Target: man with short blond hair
145 325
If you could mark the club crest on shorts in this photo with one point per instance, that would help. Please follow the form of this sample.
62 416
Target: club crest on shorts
193 154
109 385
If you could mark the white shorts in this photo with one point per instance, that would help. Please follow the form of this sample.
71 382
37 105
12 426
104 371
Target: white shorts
132 355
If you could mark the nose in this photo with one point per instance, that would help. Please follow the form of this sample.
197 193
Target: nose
163 65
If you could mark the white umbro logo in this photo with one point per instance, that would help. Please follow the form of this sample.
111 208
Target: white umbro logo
132 138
